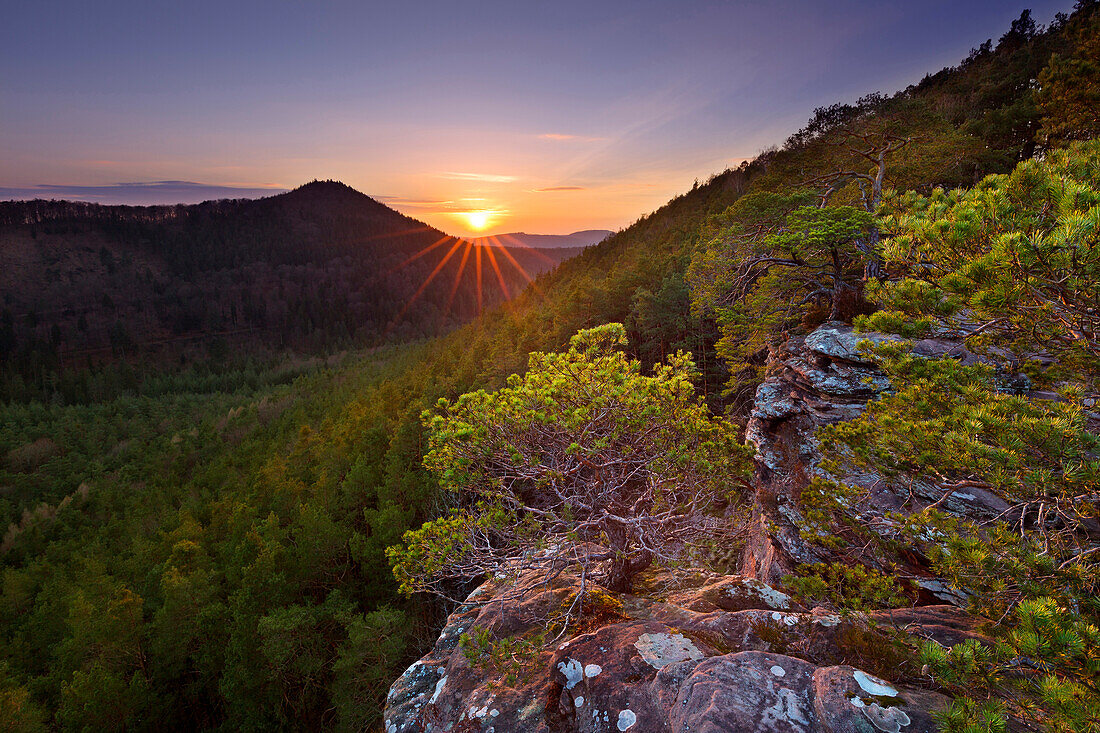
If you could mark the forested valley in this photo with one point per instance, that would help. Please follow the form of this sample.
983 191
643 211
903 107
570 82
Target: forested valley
202 542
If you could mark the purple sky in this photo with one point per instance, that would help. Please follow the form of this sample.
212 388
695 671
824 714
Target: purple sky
544 117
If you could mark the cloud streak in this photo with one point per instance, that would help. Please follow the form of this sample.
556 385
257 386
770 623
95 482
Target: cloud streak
483 177
563 137
140 193
413 203
551 189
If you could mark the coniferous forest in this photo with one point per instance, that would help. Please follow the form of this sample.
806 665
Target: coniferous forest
216 464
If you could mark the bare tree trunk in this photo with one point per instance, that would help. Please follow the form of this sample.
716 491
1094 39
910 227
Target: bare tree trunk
622 569
620 575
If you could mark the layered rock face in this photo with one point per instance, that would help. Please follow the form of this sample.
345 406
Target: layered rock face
822 379
704 653
697 651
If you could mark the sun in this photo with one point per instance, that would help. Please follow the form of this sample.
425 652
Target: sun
478 220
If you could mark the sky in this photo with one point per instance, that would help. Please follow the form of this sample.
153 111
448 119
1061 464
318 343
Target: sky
544 117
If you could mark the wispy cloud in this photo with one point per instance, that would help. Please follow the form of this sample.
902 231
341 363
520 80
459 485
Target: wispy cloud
142 193
563 137
484 177
550 189
413 203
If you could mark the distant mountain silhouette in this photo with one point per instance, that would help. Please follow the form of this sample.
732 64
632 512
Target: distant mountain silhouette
318 265
583 238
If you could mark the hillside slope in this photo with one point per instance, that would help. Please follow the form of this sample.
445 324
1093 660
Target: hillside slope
316 267
900 566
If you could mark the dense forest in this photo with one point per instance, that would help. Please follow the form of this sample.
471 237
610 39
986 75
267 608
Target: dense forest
95 295
210 551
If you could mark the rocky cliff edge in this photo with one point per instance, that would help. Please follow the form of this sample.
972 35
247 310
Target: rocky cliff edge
703 652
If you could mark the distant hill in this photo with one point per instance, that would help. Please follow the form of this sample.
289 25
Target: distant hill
320 265
585 238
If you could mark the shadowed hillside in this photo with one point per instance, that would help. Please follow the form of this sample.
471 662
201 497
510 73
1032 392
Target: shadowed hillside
320 266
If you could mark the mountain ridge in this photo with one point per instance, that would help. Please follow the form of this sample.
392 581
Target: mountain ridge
320 265
580 238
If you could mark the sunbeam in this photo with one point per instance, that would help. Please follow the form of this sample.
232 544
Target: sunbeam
477 257
513 242
421 253
500 276
391 235
504 251
480 247
424 285
458 276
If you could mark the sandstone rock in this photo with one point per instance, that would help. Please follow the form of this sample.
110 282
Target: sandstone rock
732 593
672 669
773 402
848 700
944 592
840 341
948 625
839 378
749 691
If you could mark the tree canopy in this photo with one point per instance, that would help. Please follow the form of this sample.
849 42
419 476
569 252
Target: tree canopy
1014 260
583 462
1008 266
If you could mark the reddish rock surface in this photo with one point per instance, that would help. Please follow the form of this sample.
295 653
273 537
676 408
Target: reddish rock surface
658 666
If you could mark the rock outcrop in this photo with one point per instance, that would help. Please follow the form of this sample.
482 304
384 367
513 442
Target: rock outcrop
697 651
703 654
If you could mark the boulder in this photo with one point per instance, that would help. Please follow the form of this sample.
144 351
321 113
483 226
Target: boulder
841 341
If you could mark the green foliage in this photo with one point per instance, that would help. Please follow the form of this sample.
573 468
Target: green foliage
18 712
952 128
773 258
848 588
949 426
1011 266
508 659
101 700
205 547
963 715
581 449
1049 652
888 321
1014 262
199 491
1069 88
376 645
189 570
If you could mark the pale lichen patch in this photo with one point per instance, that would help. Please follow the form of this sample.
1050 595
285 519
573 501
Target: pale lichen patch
887 720
660 650
873 685
438 689
573 672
